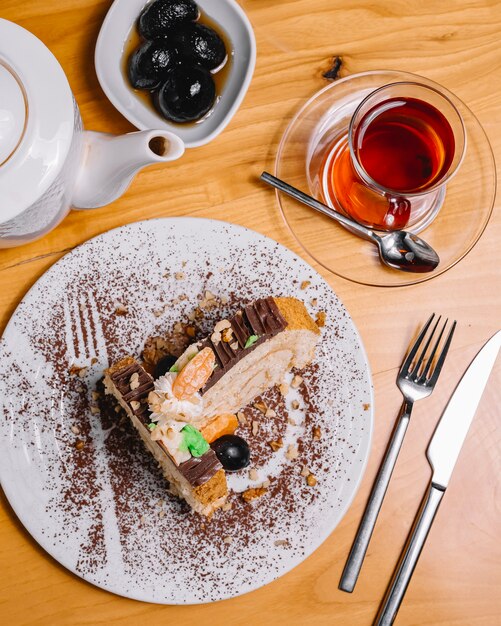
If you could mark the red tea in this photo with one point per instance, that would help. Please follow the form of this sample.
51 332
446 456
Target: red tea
405 145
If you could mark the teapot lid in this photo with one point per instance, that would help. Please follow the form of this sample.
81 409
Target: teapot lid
36 119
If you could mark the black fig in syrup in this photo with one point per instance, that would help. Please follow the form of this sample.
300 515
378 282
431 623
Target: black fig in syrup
187 94
164 365
232 451
162 15
201 45
150 64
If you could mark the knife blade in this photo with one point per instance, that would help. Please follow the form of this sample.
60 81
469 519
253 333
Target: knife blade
451 430
442 453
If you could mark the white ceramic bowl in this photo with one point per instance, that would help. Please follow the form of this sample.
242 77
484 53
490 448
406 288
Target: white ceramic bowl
109 67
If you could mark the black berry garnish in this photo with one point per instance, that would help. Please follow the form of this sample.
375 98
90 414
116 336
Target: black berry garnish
232 451
187 94
164 365
201 45
151 63
163 15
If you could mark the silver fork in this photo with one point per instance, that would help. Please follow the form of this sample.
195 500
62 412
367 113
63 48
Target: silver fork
416 380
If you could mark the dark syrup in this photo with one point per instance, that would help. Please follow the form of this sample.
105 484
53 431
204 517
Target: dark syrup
134 40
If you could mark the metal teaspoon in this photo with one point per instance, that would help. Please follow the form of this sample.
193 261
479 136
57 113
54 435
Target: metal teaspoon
398 249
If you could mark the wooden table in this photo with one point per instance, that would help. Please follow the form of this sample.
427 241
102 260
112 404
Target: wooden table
456 43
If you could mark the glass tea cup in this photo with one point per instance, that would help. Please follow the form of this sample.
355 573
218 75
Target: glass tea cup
405 141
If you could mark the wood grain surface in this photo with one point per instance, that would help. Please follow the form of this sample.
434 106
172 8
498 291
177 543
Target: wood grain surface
456 43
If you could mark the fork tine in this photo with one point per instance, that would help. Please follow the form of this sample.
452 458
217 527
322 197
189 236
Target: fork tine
441 358
429 361
422 356
408 361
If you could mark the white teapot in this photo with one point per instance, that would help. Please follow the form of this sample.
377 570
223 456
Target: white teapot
48 163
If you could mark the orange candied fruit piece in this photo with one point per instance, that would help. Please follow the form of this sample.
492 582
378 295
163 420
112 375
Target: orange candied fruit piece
194 374
224 424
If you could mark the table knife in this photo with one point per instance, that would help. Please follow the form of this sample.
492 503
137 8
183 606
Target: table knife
442 454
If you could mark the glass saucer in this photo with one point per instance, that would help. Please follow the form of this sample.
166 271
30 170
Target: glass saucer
467 207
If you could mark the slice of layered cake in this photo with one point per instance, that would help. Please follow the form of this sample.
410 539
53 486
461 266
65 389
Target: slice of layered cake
182 412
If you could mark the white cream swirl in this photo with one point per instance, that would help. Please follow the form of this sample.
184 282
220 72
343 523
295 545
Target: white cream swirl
165 407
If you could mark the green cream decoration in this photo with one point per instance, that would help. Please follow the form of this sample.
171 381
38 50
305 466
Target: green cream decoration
174 368
251 341
152 426
193 442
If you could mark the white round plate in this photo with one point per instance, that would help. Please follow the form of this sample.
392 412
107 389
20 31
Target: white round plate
103 511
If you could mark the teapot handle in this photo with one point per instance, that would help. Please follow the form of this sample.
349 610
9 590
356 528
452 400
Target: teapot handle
110 162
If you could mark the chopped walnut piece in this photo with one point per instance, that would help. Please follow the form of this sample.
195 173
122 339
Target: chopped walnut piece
234 346
157 347
242 420
253 475
190 331
118 408
227 506
94 360
178 328
305 471
291 421
255 427
276 445
222 325
253 493
94 409
83 372
284 389
157 312
295 404
266 484
192 316
79 444
224 299
260 406
320 319
317 433
270 413
161 513
305 284
179 275
228 539
281 542
314 302
134 405
366 406
75 430
296 381
95 395
208 300
215 338
292 453
311 480
227 335
134 381
121 310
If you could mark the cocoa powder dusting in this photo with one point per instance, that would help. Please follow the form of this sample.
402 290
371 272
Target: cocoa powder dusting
101 501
